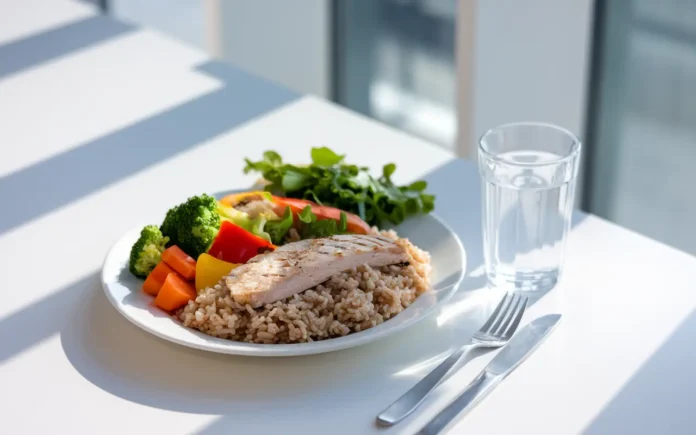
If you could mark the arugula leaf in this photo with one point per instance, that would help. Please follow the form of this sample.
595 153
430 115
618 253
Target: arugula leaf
313 197
260 166
418 186
307 216
325 157
277 229
388 170
428 203
273 158
295 178
343 223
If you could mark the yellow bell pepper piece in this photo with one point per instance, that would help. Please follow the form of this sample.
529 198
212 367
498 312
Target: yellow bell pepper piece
209 271
235 198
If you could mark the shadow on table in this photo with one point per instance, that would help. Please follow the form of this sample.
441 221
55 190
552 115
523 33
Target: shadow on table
80 171
658 399
50 45
44 318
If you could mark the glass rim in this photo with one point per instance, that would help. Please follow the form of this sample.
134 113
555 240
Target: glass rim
575 147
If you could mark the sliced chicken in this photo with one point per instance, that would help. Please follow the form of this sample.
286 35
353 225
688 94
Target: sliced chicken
298 266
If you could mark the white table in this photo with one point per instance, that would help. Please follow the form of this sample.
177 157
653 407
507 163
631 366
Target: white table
102 133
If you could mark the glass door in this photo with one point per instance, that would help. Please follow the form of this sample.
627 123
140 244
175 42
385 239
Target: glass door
642 131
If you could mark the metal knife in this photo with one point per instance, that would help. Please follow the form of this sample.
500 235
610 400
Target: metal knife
517 350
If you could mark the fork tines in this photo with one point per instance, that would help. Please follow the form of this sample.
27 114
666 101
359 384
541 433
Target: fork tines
507 315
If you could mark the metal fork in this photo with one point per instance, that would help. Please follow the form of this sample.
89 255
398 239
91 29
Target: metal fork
497 330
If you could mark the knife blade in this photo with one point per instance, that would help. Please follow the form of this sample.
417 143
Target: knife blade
522 345
508 359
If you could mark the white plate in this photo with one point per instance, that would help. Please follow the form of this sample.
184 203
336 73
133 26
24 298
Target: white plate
427 232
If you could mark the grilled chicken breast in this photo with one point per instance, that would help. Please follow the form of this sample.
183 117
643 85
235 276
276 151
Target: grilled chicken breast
295 267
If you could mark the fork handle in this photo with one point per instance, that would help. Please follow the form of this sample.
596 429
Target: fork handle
407 403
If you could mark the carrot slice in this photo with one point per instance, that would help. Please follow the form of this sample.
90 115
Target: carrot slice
175 293
180 262
161 271
151 286
155 280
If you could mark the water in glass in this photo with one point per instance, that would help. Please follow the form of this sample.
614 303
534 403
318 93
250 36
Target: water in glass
527 208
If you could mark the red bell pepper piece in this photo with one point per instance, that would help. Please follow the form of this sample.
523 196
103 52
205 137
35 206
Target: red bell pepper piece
355 224
234 244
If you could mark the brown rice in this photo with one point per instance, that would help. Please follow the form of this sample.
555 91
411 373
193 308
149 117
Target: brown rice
350 301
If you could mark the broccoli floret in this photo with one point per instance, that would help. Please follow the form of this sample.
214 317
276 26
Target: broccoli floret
193 225
146 253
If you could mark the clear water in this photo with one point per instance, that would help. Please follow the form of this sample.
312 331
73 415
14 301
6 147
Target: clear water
526 217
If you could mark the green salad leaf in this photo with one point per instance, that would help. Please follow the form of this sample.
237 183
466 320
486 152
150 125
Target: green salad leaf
312 228
330 181
278 228
306 216
325 157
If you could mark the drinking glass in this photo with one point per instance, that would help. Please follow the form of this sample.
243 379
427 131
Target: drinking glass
528 175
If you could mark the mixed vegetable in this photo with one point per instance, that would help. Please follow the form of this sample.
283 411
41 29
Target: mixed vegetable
203 239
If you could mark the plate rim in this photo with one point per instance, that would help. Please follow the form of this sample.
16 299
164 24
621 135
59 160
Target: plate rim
287 349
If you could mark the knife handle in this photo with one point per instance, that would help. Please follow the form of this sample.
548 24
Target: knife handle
407 403
479 388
